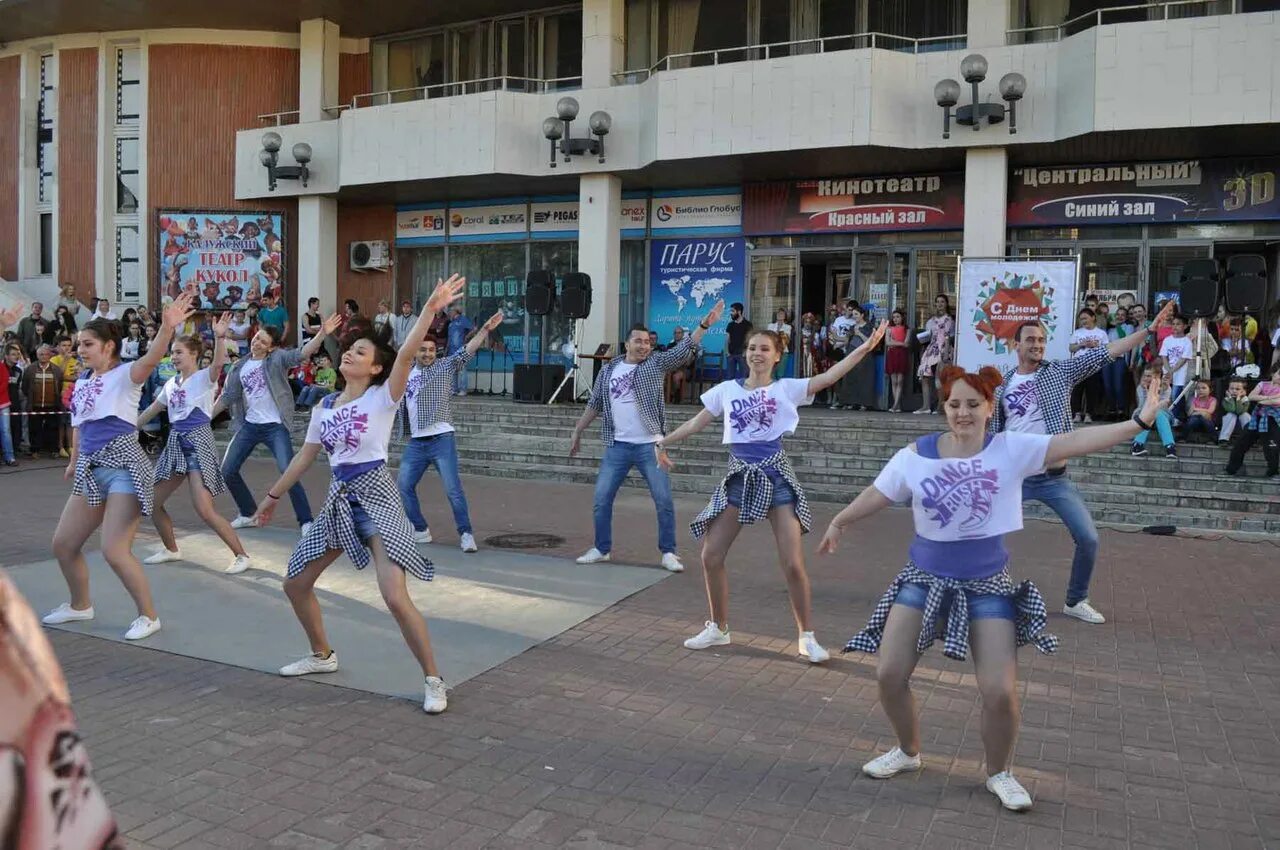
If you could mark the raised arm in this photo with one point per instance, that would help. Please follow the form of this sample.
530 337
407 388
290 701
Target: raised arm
10 316
1062 447
829 378
708 322
327 327
176 313
868 502
481 337
446 292
301 462
219 346
1120 347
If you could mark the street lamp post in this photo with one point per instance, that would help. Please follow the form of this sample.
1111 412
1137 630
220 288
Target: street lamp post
976 114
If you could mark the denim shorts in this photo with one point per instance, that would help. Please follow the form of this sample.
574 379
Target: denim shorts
365 527
190 454
988 606
782 492
113 480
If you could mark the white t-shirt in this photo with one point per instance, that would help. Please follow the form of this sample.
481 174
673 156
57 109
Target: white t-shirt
235 331
1177 348
186 397
627 424
112 393
841 329
417 382
1022 410
761 415
1079 335
260 405
356 432
966 498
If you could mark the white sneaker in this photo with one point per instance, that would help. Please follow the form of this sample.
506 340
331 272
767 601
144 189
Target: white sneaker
143 627
311 664
422 536
239 565
593 556
709 636
437 699
671 563
162 556
304 528
468 545
64 613
921 412
811 649
1011 793
244 522
891 764
1082 610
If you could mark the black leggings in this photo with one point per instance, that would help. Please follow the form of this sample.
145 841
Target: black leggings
1270 447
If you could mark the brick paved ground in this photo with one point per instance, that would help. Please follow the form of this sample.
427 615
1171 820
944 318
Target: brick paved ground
1158 729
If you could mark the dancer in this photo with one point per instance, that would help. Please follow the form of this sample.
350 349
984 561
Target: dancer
758 411
113 479
1035 398
257 391
964 486
362 514
628 391
427 413
189 453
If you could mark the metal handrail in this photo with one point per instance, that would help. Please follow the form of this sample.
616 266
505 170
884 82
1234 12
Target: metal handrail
277 118
1097 16
872 40
501 83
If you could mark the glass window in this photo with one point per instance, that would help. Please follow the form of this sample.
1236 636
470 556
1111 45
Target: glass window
935 275
513 51
919 19
554 330
562 48
638 53
416 63
128 183
127 279
633 285
471 58
775 26
47 108
128 84
495 280
1166 267
687 26
773 287
1108 268
46 243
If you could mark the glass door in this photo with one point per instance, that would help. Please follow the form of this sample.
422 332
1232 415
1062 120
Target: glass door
774 287
514 55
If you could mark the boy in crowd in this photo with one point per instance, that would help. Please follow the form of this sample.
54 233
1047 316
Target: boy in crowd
1235 409
1177 351
325 382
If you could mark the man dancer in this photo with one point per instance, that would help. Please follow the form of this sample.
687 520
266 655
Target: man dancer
628 392
1035 398
427 411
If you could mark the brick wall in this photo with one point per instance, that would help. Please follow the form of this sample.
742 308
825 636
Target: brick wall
10 81
355 224
78 168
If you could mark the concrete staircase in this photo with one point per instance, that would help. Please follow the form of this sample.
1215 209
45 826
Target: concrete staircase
837 453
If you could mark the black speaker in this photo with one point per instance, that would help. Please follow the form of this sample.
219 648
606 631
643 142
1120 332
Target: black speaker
539 293
1246 283
534 383
575 296
1199 297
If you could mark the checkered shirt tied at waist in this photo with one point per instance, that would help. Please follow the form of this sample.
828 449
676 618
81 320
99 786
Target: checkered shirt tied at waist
757 493
334 527
1055 380
173 460
124 452
1030 615
434 394
647 383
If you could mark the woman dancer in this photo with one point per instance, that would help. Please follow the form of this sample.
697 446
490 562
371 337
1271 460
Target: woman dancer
189 454
114 481
942 338
363 515
965 486
758 411
896 359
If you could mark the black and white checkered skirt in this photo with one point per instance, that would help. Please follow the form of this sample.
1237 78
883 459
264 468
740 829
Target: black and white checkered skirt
173 460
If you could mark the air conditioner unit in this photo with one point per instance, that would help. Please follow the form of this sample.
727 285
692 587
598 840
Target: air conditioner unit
370 256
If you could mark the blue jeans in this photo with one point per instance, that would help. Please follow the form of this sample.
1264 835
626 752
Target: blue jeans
111 481
6 438
614 466
1062 497
1164 424
275 437
737 367
1180 408
311 394
1113 383
419 453
982 606
366 529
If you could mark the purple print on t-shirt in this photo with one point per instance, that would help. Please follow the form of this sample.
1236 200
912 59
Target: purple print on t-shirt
254 381
962 489
620 387
178 399
755 412
1024 399
85 396
340 431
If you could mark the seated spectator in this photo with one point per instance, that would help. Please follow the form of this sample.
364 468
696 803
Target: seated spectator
1263 423
1153 380
1201 413
325 382
1235 409
301 376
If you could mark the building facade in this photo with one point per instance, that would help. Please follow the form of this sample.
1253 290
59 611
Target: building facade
785 153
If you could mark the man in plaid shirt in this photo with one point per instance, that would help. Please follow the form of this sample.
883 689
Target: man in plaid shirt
1035 398
629 394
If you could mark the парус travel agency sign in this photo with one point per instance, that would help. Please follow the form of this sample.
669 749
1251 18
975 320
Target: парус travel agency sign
1145 193
855 204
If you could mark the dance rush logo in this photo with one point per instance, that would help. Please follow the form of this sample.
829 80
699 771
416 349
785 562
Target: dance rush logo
1024 400
85 396
254 381
755 412
964 491
340 431
178 399
620 388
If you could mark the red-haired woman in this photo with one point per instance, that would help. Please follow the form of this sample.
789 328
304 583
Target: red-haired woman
965 486
758 411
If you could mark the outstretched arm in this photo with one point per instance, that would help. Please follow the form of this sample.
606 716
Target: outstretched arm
10 316
1062 447
829 378
446 292
301 463
175 313
688 429
481 337
868 502
150 413
327 327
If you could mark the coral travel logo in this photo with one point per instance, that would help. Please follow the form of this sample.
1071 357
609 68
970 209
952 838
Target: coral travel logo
963 491
1005 302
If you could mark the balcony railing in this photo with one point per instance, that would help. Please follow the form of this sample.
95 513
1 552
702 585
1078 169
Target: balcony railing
1120 15
527 85
827 44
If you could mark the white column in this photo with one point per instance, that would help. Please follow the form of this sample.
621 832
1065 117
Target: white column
986 179
317 255
988 21
599 255
317 69
602 44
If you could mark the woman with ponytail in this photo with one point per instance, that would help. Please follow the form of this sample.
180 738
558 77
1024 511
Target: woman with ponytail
113 479
965 487
362 515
